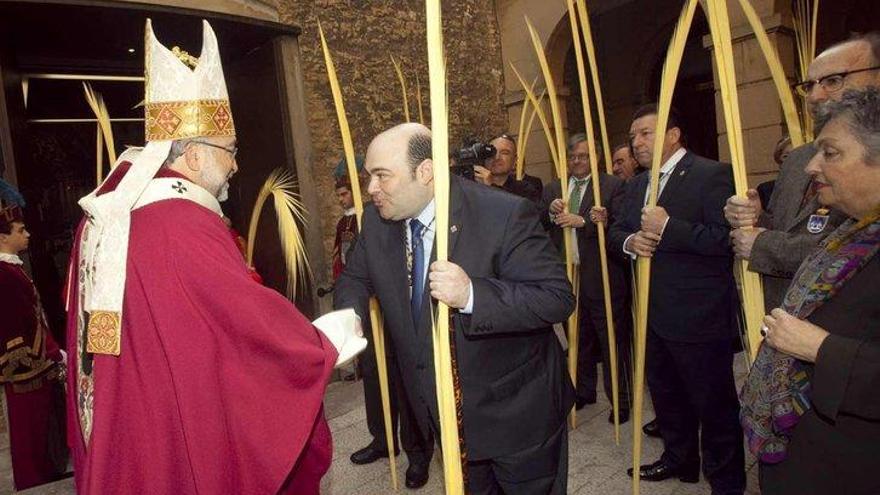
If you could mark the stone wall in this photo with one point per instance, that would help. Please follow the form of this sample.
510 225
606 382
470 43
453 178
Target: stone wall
362 35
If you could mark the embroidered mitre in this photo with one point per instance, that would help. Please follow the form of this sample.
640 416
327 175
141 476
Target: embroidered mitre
181 102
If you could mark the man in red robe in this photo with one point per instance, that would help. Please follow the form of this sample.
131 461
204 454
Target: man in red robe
30 361
188 376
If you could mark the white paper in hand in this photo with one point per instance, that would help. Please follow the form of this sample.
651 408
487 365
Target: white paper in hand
340 327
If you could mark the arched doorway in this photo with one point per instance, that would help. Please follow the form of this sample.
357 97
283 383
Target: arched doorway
694 92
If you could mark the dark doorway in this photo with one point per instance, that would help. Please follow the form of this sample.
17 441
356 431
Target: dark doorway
694 92
694 96
47 50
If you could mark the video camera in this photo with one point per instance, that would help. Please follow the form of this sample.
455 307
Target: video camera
472 153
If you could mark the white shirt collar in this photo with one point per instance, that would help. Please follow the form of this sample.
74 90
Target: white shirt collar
426 217
12 259
572 178
349 212
673 160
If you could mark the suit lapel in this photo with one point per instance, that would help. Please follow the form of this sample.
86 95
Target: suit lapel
679 174
455 226
807 210
394 244
587 200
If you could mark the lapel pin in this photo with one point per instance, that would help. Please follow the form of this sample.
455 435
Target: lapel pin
453 229
682 172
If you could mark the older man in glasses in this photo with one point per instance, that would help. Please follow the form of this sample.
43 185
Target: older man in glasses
793 223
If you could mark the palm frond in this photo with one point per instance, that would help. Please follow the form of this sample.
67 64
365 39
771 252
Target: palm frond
526 134
289 209
402 81
104 130
777 72
671 67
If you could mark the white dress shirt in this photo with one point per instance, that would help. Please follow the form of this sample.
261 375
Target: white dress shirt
665 172
571 232
427 217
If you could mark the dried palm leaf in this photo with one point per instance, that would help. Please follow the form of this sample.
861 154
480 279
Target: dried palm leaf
597 201
671 68
105 130
289 210
752 290
375 315
562 172
403 94
548 131
597 87
789 108
524 137
444 364
419 99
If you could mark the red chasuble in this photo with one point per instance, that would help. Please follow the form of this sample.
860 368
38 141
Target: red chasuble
27 360
218 388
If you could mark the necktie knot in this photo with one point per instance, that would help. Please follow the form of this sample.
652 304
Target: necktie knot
416 228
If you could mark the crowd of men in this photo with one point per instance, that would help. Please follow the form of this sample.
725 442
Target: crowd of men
187 376
693 235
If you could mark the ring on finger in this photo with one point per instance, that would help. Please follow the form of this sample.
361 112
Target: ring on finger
764 330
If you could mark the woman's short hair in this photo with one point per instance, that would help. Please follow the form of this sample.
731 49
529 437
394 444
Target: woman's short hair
860 111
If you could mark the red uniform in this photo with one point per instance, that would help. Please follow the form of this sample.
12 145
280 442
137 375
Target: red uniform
29 368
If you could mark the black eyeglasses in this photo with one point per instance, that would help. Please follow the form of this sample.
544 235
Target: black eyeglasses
830 83
232 151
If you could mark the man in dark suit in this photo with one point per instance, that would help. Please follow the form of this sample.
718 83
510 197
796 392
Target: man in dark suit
793 223
593 329
692 308
506 287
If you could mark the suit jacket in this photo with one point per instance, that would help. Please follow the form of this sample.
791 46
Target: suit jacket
693 296
779 251
536 183
516 392
611 190
844 422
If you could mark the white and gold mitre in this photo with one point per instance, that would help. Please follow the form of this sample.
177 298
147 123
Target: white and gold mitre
183 102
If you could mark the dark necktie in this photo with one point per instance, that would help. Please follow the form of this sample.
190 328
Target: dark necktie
418 269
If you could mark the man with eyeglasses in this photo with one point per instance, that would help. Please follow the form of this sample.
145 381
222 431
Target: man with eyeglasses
775 238
579 218
186 376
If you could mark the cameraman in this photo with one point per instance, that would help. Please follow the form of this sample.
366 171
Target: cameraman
499 171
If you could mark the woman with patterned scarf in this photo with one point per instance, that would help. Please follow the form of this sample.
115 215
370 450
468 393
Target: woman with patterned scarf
811 403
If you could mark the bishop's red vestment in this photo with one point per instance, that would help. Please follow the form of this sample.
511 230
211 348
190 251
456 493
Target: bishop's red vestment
219 384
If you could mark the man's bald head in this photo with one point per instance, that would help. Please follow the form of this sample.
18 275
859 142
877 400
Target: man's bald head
401 171
858 53
412 137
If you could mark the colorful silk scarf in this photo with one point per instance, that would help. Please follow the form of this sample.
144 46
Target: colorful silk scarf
777 391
